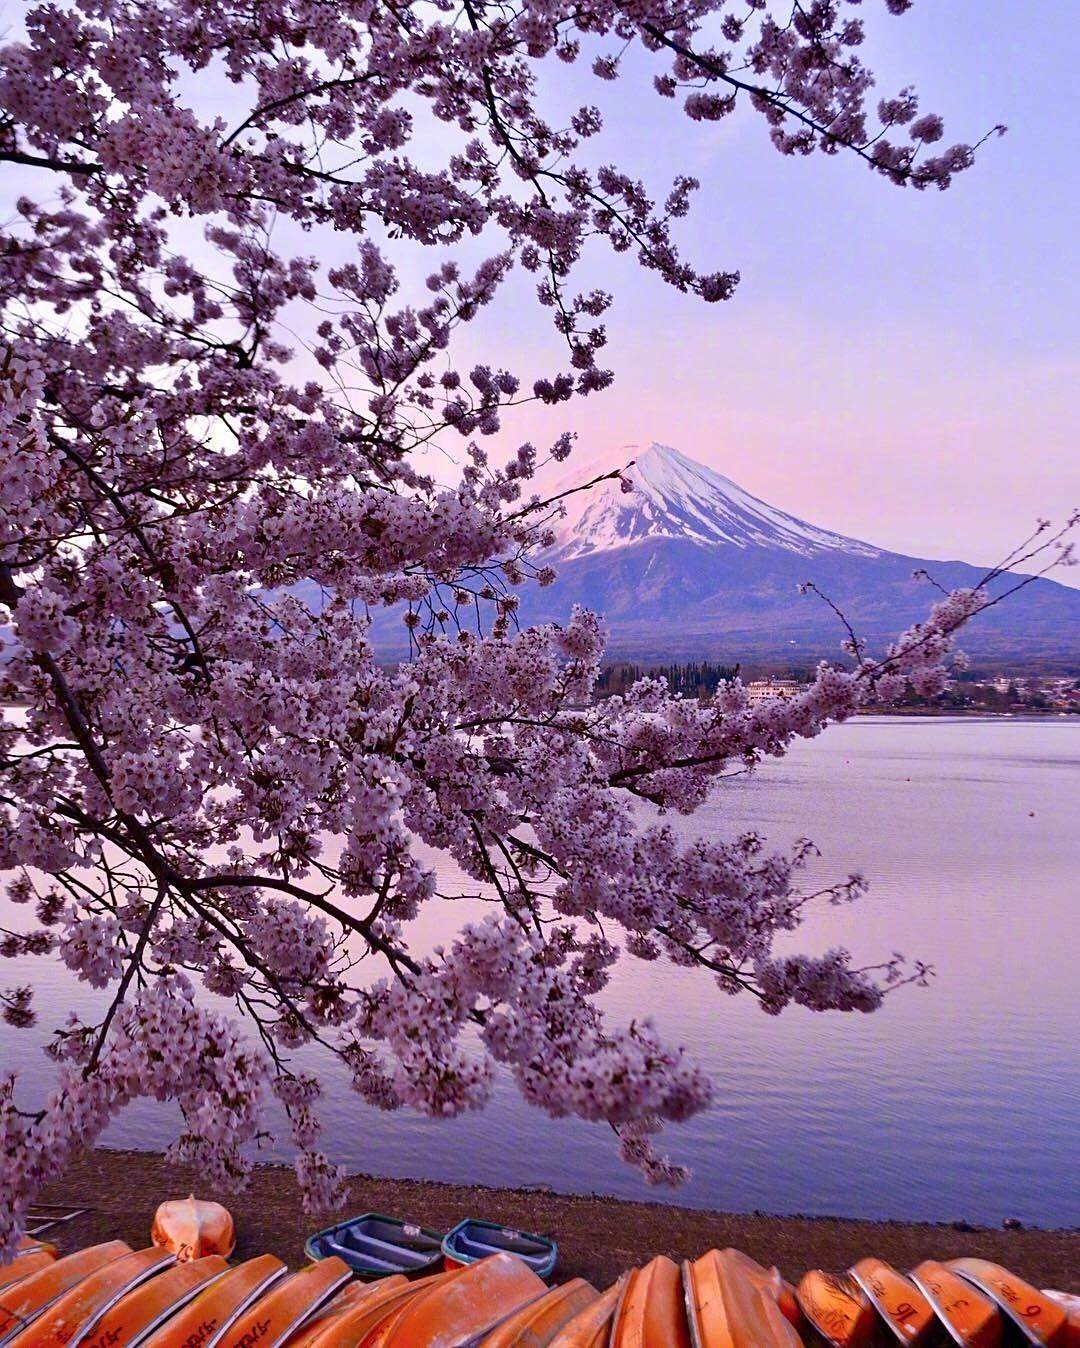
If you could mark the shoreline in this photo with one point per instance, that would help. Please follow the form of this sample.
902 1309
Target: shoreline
598 1237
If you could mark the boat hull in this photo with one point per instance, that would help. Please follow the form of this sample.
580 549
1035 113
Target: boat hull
218 1305
84 1303
537 1324
1071 1304
25 1300
468 1305
284 1308
969 1317
837 1309
140 1312
769 1282
382 1327
591 1327
651 1313
31 1245
192 1227
901 1305
727 1307
1040 1318
23 1265
313 1330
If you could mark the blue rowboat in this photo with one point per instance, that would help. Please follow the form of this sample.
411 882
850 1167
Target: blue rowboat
471 1240
376 1246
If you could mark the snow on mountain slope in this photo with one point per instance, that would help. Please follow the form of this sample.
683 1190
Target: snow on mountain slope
678 498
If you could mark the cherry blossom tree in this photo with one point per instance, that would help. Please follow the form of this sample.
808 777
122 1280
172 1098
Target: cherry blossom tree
211 479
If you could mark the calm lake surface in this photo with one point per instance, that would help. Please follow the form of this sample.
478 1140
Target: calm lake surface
960 1100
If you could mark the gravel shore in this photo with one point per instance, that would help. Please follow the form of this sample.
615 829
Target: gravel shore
598 1237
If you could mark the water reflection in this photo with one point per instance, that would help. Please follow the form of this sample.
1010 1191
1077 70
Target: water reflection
957 1101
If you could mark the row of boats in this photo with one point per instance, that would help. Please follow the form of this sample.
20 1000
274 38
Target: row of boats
110 1296
374 1245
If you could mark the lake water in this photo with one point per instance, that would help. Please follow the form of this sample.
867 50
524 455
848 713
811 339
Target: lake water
960 1100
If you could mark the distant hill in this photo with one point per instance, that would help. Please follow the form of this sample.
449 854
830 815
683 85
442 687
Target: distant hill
689 565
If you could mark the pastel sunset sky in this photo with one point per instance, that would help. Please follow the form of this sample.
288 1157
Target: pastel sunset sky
895 365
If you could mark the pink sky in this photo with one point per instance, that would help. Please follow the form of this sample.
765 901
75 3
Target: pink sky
897 366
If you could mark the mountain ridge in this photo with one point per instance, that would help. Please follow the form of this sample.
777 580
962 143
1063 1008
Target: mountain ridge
676 497
690 565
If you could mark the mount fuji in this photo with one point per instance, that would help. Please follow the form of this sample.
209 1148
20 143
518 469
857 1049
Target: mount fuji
689 565
677 498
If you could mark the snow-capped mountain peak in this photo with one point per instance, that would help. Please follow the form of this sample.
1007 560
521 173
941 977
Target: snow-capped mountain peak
676 497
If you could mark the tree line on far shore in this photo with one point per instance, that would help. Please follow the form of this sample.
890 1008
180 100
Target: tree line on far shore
972 689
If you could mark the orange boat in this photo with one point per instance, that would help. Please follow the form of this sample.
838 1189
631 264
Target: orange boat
26 1299
537 1324
192 1227
80 1306
383 1327
837 1308
1071 1306
25 1264
283 1310
728 1309
136 1315
706 1306
386 1300
651 1313
768 1281
218 1305
345 1301
970 1318
470 1302
1042 1319
898 1301
590 1328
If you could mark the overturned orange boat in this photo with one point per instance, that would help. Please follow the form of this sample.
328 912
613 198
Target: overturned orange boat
31 1245
282 1310
219 1304
1041 1319
24 1301
537 1323
379 1306
371 1324
25 1264
900 1304
65 1318
651 1313
769 1281
591 1326
470 1302
324 1327
970 1317
193 1227
135 1316
1071 1305
837 1308
728 1305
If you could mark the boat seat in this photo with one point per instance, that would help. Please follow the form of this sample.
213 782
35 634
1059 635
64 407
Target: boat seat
399 1236
361 1242
349 1253
480 1249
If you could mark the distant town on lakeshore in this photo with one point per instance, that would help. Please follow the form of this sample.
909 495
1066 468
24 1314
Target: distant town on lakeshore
976 691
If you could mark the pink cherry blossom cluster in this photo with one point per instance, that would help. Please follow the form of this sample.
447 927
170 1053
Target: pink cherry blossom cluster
208 487
161 1045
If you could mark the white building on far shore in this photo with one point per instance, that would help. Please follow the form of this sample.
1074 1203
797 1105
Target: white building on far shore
760 690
